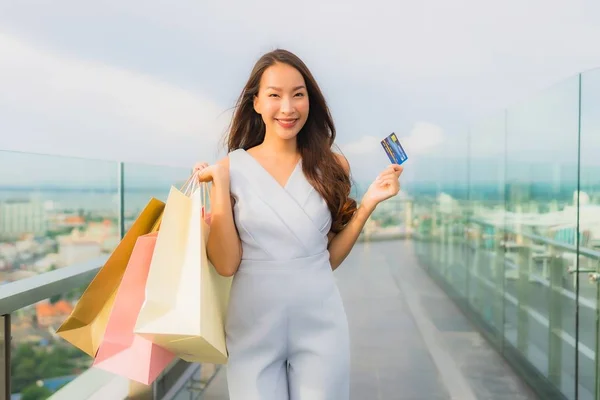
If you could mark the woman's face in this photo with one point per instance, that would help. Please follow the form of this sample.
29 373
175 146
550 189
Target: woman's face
282 101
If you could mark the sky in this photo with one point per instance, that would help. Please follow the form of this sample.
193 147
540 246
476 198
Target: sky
154 82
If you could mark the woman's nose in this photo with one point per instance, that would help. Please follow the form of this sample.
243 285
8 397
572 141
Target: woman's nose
286 106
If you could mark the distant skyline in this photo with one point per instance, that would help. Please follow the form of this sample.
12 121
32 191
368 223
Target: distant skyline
159 84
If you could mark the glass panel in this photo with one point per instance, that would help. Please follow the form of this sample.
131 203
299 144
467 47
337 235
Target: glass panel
386 220
589 228
41 362
452 203
390 220
541 177
486 195
143 181
54 212
436 183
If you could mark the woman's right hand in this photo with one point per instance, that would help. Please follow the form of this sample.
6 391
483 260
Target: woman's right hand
199 166
214 173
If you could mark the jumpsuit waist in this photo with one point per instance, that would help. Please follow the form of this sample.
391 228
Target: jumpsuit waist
315 261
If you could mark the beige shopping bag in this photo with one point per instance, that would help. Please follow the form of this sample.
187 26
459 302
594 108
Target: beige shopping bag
186 299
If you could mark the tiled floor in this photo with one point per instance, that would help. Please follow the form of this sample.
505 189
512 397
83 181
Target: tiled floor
409 341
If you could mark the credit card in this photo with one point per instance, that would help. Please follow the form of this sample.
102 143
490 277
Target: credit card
394 149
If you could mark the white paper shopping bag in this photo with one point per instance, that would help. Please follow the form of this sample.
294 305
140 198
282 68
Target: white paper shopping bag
186 299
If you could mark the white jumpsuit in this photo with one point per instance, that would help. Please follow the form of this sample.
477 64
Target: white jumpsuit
287 332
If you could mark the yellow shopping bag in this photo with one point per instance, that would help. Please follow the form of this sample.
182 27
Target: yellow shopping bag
85 327
186 299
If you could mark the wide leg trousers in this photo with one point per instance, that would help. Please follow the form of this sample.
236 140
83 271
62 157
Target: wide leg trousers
287 332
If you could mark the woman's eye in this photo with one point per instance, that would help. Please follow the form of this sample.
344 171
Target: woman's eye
300 94
273 95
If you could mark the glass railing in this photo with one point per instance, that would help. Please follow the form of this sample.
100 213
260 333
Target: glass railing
60 218
512 231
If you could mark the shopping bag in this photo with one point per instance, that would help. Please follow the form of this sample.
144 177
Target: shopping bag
85 327
122 352
186 299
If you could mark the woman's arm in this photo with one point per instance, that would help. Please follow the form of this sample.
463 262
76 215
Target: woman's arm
385 186
341 244
224 248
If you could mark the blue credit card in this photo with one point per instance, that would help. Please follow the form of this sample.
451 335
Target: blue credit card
394 149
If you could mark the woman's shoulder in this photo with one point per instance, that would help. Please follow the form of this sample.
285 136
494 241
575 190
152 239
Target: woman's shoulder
234 160
226 161
343 161
232 155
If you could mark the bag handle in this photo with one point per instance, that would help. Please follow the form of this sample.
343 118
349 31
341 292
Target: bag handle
190 185
188 188
205 193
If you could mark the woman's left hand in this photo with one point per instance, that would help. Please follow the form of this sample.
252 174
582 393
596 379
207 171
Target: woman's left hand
386 185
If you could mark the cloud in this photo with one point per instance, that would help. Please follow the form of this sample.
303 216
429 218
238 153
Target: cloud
364 145
386 65
56 103
423 137
394 46
367 157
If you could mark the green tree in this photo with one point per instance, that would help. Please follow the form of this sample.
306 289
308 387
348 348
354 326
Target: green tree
34 392
55 299
23 372
31 363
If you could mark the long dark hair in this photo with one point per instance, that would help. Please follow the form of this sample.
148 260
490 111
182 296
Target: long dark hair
319 164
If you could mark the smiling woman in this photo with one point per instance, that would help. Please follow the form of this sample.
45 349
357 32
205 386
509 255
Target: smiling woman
282 96
282 221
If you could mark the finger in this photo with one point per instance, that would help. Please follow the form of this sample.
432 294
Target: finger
392 168
388 173
204 175
204 178
200 166
397 169
208 173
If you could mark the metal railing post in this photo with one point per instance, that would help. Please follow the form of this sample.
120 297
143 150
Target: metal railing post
5 339
524 268
555 341
121 178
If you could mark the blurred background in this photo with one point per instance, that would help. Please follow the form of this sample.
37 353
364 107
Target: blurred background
106 104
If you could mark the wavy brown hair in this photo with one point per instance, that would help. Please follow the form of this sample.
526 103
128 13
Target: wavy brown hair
319 163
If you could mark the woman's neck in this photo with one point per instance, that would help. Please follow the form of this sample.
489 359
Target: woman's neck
279 146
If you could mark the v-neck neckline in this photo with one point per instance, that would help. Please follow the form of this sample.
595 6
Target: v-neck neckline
289 178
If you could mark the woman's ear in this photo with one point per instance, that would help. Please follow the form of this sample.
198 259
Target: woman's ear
256 104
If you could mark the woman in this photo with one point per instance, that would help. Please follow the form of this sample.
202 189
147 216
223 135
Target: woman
282 221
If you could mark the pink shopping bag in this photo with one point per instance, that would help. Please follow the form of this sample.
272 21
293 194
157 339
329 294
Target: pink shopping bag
123 352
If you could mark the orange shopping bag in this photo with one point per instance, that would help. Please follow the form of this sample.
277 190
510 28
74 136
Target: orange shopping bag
123 352
85 327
